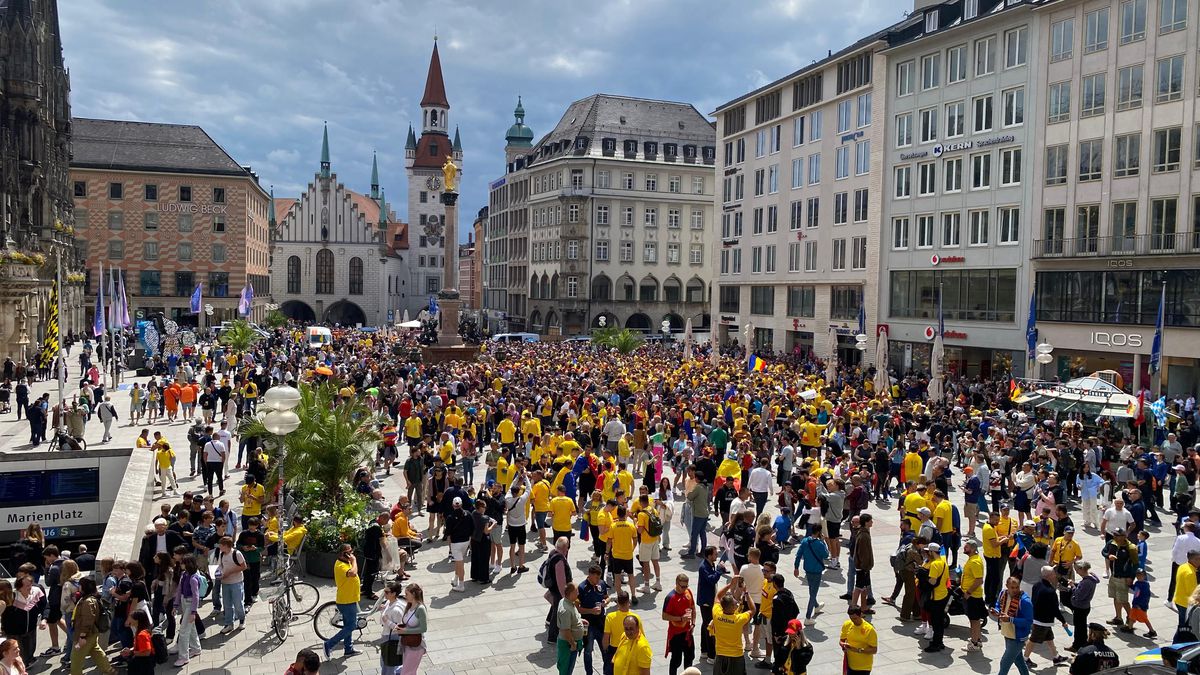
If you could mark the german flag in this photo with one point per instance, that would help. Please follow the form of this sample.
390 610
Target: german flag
1014 390
50 346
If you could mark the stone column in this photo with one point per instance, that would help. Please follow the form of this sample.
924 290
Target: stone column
448 299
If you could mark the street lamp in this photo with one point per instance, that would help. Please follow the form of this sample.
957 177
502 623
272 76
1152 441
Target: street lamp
602 320
666 329
1045 353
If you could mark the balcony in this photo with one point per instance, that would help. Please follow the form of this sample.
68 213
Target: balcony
1117 246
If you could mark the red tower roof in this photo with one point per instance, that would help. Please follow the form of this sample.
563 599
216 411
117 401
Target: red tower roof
435 89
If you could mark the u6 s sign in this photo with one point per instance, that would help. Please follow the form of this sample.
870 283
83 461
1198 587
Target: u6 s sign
1116 339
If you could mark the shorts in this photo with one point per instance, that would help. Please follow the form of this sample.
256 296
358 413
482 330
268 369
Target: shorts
1138 615
862 578
1118 589
55 614
759 619
1041 634
976 609
539 519
971 511
497 536
458 551
516 535
833 530
563 533
648 552
621 566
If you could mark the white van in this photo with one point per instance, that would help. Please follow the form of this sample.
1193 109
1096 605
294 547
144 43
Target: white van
319 336
516 337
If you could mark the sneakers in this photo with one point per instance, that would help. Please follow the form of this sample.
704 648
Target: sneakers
644 589
1059 660
227 629
352 652
810 622
1151 634
974 646
920 630
182 661
820 608
657 585
1030 664
328 652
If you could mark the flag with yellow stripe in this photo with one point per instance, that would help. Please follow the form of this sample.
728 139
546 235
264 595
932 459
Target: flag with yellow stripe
50 345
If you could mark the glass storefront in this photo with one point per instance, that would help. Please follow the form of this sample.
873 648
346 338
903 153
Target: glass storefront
960 360
847 351
967 295
1182 375
799 339
1119 297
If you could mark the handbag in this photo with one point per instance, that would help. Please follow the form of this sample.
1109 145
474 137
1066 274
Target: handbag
411 640
392 654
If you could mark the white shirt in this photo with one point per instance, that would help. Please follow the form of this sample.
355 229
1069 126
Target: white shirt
214 451
761 480
1184 544
752 574
738 506
1117 521
223 435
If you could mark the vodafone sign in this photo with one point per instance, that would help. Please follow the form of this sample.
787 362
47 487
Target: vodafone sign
936 259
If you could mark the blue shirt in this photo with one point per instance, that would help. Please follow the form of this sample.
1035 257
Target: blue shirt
706 591
591 597
1143 554
1141 595
783 529
811 554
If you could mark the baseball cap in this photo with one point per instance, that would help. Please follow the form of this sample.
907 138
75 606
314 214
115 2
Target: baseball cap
458 501
933 547
1068 529
1180 467
795 627
967 469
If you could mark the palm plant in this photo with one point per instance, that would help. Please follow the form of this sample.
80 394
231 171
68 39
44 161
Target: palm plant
239 336
275 319
627 341
603 337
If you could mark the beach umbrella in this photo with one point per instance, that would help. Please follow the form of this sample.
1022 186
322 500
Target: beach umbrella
882 381
687 340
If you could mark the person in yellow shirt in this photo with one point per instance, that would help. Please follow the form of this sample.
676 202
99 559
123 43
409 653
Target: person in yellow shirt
349 592
505 471
972 587
649 527
1065 551
622 535
859 642
633 655
726 628
943 514
165 458
412 430
293 537
614 626
508 433
252 497
531 428
562 509
993 561
1185 583
939 575
913 466
539 502
914 501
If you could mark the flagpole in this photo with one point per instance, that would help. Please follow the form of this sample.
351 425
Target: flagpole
60 370
112 321
1158 347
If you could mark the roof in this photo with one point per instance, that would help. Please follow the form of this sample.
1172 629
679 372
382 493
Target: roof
149 146
438 144
283 206
435 88
397 238
625 116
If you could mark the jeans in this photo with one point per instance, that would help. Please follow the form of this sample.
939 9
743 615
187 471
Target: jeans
234 602
216 595
188 640
708 644
566 657
90 648
591 640
814 585
552 615
699 533
349 625
468 470
1013 657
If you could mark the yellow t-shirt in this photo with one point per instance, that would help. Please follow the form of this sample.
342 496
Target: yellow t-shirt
505 472
252 499
293 537
727 631
621 535
1065 552
912 503
561 510
937 577
164 456
614 626
643 521
348 587
768 598
625 481
446 452
991 545
400 527
603 521
913 466
943 517
632 656
972 572
142 442
507 431
859 637
541 496
412 427
1185 584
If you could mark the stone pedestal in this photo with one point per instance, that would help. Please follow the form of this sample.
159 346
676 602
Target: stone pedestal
449 305
435 354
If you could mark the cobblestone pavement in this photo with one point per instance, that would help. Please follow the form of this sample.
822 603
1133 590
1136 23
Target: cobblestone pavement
498 629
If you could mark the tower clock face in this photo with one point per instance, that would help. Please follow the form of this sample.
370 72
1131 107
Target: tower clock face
434 183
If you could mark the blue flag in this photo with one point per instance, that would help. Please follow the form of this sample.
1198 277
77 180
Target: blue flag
1156 348
247 299
99 326
197 300
433 305
862 318
1031 331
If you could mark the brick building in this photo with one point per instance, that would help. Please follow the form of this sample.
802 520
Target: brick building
170 208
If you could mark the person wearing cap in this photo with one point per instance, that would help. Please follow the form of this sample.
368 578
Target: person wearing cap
1181 494
859 643
1064 552
1095 656
797 651
935 605
461 527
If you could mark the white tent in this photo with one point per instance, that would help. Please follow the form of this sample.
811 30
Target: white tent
883 382
935 391
687 340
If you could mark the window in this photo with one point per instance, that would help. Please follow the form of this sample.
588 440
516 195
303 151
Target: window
862 158
981 171
1095 31
673 218
858 253
954 174
970 9
1014 107
899 234
218 284
218 195
627 180
151 192
650 217
845 302
762 300
1016 46
760 143
1093 95
797 173
116 220
324 272
843 116
1054 230
218 223
1060 102
985 56
627 216
730 300
814 207
979 228
573 250
983 114
1129 87
955 119
697 218
861 203
904 78
1133 21
183 250
741 150
1091 156
758 221
651 182
801 301
184 222
1056 165
737 261
956 64
1166 149
150 220
1010 166
573 213
1163 213
150 282
951 229
1127 155
696 256
1195 152
602 215
772 219
1124 227
776 138
838 263
293 274
1172 15
797 215
697 185
924 231
1010 224
810 256
116 190
356 276
603 179
841 202
650 252
737 224
904 135
627 251
814 169
572 287
80 188
673 253
116 249
794 256
841 162
926 179
1170 79
1062 36
931 21
930 71
80 216
674 184
864 110
218 253
814 126
1087 228
602 250
150 250
773 178
928 118
903 178
185 193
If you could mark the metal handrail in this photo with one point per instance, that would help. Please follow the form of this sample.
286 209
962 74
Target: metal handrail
1117 245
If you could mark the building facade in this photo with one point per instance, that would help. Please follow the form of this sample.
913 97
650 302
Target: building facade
1118 186
801 178
505 243
168 207
36 219
424 157
619 204
339 256
958 185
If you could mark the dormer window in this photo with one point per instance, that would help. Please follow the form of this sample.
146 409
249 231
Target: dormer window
651 149
631 149
670 149
709 153
931 21
608 146
433 149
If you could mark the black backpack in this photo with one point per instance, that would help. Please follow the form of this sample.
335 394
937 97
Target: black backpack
159 642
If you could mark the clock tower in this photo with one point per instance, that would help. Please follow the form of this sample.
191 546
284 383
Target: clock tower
424 157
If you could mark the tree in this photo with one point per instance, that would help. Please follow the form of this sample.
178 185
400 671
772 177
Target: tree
275 319
623 340
239 336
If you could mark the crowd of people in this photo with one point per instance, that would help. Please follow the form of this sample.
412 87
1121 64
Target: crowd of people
588 461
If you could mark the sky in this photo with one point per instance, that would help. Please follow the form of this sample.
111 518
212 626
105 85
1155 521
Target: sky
261 76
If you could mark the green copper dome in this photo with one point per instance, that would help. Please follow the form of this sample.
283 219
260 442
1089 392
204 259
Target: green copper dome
518 134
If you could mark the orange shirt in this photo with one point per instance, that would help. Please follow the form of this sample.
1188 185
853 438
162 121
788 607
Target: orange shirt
187 394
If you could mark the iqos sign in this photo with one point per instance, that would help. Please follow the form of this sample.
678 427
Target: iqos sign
1116 339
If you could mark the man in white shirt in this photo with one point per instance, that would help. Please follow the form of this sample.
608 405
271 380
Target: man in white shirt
215 453
761 483
739 505
226 437
787 460
515 521
614 429
1185 544
1116 519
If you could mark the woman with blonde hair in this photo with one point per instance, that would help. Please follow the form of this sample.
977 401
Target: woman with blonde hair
69 575
411 628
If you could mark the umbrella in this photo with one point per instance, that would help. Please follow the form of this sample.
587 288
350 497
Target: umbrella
935 390
831 362
404 319
323 370
411 324
882 381
687 340
716 350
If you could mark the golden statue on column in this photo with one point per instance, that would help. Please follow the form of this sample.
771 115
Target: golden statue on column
450 175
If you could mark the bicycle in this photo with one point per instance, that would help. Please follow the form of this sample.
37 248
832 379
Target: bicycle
327 620
295 597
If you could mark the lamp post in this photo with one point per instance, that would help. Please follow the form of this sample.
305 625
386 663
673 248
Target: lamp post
281 402
1045 355
666 330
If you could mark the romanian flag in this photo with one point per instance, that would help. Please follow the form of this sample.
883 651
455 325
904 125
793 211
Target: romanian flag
755 364
50 346
1014 390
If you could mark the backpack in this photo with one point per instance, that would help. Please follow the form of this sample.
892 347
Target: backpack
955 518
654 526
545 575
103 617
897 558
206 584
159 642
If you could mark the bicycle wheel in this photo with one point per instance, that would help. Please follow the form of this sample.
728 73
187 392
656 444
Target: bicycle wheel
327 621
304 597
281 616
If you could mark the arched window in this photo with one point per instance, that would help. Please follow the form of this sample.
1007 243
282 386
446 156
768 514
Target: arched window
356 276
293 274
324 272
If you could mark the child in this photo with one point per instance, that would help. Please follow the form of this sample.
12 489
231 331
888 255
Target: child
1142 549
753 576
1140 604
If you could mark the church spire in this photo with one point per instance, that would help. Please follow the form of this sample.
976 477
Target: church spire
325 152
374 176
271 210
383 214
435 88
457 147
411 143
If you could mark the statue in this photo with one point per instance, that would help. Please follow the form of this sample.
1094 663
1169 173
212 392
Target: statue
450 173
